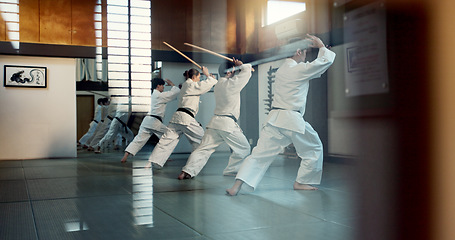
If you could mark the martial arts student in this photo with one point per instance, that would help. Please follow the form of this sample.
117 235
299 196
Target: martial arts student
96 119
102 126
183 122
118 125
285 123
153 122
223 126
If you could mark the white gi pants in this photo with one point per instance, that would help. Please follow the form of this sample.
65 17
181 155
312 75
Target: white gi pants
142 137
272 141
84 139
212 139
100 131
115 128
193 132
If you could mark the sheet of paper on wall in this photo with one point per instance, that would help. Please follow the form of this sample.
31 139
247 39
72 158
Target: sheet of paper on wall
366 52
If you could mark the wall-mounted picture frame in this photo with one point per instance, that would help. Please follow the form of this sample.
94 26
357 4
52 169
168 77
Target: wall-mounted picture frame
25 76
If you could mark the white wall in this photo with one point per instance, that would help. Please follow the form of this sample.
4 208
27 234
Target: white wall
39 122
174 72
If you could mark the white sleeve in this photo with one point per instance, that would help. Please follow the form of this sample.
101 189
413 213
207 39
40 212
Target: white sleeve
317 67
201 87
169 95
242 78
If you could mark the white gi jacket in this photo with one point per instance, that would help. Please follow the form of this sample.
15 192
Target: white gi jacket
158 107
291 89
227 97
189 98
104 112
97 118
111 110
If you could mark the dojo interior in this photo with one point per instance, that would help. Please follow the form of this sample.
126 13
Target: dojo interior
385 120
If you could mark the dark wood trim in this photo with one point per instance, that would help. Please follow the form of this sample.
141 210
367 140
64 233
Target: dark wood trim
48 50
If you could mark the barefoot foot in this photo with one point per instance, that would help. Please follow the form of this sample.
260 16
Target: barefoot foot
299 186
125 156
183 175
98 150
234 190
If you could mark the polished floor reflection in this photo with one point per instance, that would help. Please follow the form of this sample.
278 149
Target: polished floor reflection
97 197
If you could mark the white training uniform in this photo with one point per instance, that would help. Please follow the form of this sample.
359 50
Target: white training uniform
117 126
182 122
285 123
96 119
103 126
222 127
152 125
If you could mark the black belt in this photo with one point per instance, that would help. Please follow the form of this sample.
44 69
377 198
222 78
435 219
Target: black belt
229 116
277 108
95 121
110 118
157 117
185 111
123 124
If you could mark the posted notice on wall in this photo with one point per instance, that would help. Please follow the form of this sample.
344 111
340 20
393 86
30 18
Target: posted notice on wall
366 53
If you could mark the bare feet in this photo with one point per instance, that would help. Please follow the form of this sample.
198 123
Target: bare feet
149 165
98 150
153 165
235 189
125 157
184 175
299 186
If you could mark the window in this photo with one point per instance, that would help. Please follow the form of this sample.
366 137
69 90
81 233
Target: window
129 52
279 10
9 10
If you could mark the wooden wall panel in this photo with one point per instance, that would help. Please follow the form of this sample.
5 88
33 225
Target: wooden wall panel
157 20
169 23
29 21
231 28
200 22
253 22
240 22
218 26
104 13
55 21
225 26
189 31
2 29
200 28
83 23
